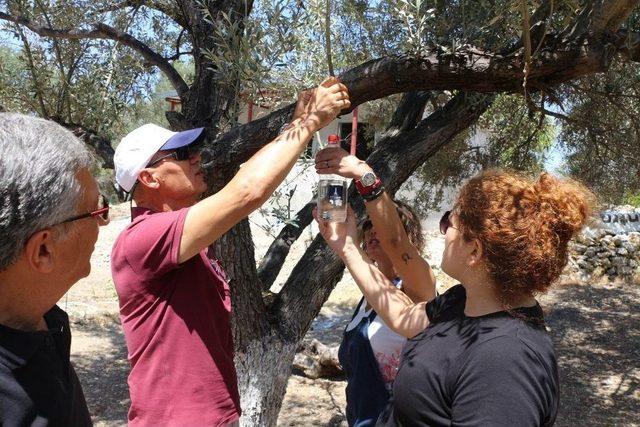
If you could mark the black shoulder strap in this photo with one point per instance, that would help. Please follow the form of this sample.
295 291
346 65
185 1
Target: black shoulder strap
357 309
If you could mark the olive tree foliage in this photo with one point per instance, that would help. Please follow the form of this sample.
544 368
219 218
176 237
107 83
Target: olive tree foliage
284 49
600 131
437 71
92 86
508 135
521 132
591 122
103 88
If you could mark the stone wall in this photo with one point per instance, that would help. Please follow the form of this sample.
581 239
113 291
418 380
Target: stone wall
609 247
602 252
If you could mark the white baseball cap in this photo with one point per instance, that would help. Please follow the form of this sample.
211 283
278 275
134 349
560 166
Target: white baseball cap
138 147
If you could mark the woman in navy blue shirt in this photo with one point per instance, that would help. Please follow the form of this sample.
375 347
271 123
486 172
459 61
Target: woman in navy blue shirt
392 238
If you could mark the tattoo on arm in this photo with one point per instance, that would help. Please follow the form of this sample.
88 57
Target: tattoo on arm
406 258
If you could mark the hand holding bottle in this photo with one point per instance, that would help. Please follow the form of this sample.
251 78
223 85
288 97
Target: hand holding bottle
335 160
332 190
341 237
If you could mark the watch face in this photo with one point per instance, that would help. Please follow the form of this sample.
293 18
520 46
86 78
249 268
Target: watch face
368 179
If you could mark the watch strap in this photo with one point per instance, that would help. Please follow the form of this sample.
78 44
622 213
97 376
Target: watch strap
374 195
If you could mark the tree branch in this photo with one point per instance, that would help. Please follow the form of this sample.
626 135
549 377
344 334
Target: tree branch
596 18
474 71
64 84
273 260
101 145
103 31
160 6
239 144
408 113
32 71
628 45
539 22
612 13
396 160
177 55
479 71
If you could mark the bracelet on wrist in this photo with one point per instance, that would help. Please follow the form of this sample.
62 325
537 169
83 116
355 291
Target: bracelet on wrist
374 195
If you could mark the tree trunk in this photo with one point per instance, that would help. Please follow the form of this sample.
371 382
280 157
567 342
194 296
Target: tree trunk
264 367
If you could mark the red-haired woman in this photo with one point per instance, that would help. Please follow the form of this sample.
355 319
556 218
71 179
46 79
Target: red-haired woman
479 354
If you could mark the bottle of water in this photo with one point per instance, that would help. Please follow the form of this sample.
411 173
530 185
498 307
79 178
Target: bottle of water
332 192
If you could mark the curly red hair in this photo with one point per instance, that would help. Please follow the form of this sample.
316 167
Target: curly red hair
524 226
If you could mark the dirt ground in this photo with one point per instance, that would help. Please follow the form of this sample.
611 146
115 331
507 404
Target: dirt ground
595 327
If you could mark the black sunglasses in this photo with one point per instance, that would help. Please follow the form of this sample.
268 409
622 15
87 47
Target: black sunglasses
179 154
445 222
103 212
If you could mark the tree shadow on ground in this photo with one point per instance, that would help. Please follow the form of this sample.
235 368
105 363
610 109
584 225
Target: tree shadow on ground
100 359
317 403
596 331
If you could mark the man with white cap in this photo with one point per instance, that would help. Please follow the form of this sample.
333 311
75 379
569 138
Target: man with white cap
174 297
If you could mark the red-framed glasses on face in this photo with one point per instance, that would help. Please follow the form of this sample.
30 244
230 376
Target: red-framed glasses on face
103 212
445 222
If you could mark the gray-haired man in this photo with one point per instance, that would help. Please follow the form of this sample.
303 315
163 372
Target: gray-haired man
50 210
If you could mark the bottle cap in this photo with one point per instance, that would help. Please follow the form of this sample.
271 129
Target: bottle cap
333 139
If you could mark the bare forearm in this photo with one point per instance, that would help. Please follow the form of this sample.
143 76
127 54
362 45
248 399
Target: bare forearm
263 172
398 311
418 278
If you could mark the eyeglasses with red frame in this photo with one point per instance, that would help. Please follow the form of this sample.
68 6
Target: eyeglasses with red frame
445 222
103 212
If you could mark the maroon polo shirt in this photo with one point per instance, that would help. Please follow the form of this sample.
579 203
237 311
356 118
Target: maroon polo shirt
176 324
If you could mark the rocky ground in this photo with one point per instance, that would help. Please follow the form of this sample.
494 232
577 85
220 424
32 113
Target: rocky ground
595 327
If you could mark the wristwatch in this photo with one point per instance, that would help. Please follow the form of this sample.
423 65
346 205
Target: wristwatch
369 186
368 179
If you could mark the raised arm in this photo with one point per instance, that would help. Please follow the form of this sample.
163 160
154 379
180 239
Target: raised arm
418 280
398 311
256 180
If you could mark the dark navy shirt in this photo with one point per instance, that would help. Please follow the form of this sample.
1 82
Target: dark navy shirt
499 369
38 386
